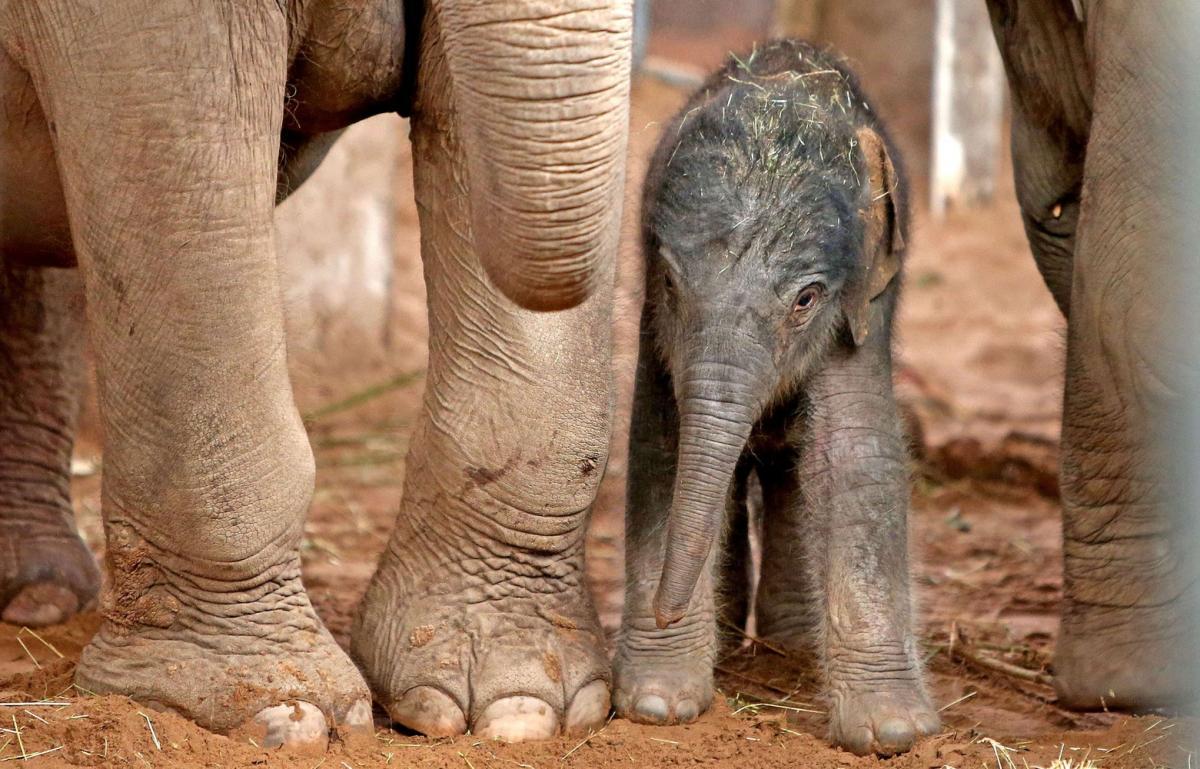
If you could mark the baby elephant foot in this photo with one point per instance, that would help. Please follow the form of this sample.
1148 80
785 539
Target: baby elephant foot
662 692
518 666
881 722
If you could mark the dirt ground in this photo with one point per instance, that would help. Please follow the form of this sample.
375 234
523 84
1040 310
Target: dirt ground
979 370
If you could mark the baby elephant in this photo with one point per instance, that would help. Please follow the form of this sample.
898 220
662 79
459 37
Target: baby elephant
773 228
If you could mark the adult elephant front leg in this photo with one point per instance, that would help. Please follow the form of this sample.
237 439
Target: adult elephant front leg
1130 576
478 616
168 150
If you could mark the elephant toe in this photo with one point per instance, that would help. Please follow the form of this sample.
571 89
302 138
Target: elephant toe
303 726
517 719
589 709
652 709
895 735
858 740
650 692
357 719
295 724
686 711
429 711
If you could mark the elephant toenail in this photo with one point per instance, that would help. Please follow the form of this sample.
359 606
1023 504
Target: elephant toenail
358 717
857 741
517 719
429 711
686 711
589 708
294 724
894 735
652 708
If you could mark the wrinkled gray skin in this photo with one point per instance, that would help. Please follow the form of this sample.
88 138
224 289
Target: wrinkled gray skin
773 231
147 142
1096 176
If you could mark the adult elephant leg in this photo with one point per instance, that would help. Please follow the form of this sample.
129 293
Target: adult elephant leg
662 675
166 118
850 506
478 616
1130 577
1042 44
46 572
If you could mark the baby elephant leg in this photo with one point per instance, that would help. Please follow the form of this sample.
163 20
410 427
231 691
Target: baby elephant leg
661 676
849 505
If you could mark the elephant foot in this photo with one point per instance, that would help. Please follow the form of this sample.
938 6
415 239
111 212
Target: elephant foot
45 579
505 656
884 721
1128 658
261 666
662 691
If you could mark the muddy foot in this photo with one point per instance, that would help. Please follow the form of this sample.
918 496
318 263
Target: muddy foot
264 667
880 722
662 691
45 580
519 660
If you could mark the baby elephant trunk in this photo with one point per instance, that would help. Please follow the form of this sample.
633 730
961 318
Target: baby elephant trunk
718 405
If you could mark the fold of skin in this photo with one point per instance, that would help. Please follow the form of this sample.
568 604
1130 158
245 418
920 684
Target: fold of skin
542 89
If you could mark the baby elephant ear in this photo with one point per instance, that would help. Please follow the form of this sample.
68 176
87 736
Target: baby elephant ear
882 240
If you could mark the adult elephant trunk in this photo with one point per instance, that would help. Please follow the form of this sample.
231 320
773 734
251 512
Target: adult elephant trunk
718 405
541 88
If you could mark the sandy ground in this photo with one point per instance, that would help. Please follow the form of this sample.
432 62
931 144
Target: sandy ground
979 370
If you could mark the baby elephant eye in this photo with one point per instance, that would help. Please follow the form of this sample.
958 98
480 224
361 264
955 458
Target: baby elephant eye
806 300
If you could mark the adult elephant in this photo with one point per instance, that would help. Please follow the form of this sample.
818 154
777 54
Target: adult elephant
141 140
1097 88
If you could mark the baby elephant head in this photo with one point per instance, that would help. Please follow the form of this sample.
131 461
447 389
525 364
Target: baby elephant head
764 250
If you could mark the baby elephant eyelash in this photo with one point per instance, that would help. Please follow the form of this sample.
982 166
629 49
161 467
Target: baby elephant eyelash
806 301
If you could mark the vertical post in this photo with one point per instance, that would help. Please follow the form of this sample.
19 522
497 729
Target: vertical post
968 106
641 31
798 18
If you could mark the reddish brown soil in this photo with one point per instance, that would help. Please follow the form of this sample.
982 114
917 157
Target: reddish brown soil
980 354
